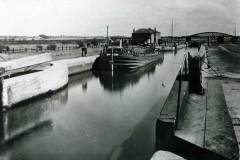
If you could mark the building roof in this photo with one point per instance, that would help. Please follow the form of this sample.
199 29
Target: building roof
207 34
145 30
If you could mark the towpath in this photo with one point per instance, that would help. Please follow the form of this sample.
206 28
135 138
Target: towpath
225 60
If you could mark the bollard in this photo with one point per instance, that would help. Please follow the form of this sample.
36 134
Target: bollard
195 76
164 134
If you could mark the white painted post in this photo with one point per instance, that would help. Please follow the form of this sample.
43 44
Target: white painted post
120 43
112 59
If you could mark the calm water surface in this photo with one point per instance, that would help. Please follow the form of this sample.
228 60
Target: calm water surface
96 117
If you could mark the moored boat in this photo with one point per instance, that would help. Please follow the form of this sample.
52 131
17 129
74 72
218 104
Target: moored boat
126 59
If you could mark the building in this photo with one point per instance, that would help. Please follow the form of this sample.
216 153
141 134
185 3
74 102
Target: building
145 36
210 37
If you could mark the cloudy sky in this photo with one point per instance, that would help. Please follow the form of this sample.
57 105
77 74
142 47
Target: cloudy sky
90 17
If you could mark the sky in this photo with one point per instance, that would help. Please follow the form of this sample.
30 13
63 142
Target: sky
90 17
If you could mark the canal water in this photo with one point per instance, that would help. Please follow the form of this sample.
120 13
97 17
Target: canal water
97 116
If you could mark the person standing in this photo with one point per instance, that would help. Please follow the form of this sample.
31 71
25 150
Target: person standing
84 50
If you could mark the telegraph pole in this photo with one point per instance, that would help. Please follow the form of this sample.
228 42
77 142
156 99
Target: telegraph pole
172 30
186 37
235 29
107 36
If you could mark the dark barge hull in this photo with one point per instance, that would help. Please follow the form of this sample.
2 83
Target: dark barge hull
124 62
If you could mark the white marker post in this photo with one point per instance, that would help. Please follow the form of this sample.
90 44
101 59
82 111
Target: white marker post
112 61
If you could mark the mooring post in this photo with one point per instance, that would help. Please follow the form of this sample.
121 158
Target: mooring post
112 59
179 98
107 37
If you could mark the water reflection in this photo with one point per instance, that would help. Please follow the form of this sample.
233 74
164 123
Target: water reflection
84 86
27 116
115 81
77 79
140 145
35 114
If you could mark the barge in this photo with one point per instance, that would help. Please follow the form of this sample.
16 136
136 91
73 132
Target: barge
126 59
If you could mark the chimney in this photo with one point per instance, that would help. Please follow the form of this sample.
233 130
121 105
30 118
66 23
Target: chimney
155 36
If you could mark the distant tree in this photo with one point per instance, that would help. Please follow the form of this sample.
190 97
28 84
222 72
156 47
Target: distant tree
1 48
94 42
80 43
39 47
7 48
220 40
88 44
51 47
66 42
188 38
4 48
193 44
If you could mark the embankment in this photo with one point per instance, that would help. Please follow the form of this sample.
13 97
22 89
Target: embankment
47 79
